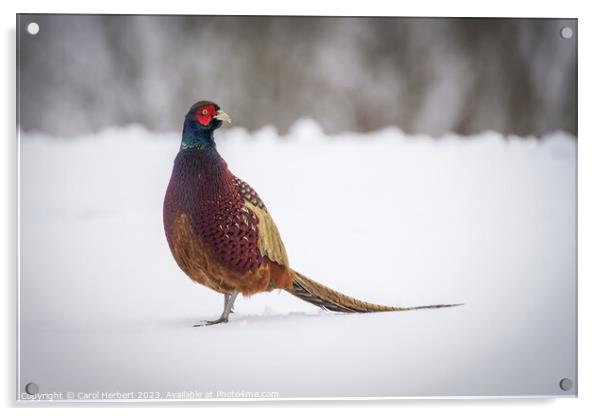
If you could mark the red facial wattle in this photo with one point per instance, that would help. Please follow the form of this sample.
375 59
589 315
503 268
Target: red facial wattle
205 114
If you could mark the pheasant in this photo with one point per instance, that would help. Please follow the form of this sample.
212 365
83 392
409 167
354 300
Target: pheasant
221 234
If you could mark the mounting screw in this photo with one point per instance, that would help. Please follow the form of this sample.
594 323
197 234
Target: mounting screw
32 388
566 32
33 28
566 384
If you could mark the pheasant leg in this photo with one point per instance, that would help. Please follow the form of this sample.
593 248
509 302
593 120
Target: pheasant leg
228 304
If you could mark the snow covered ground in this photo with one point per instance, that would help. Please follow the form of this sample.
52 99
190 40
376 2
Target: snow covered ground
391 219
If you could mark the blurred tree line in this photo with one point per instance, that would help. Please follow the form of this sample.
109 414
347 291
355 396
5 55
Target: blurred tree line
425 75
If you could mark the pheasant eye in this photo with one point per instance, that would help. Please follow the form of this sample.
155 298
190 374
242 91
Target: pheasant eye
204 112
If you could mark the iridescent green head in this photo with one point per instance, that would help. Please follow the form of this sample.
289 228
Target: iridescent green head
200 122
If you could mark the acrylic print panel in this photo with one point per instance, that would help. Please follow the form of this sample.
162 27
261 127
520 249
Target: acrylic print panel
402 161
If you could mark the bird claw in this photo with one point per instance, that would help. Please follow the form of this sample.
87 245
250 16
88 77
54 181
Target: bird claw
209 323
228 309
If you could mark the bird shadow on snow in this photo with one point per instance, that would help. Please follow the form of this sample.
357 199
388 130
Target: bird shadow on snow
244 320
238 321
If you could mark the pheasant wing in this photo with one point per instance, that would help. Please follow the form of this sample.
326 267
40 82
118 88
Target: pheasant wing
269 242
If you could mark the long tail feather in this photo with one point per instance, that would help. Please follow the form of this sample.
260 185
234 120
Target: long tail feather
313 292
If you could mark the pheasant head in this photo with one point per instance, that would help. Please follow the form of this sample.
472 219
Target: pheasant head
200 122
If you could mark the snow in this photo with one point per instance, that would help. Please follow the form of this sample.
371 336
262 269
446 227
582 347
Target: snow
489 221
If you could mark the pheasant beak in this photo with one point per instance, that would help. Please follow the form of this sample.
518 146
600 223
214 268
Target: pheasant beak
222 116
